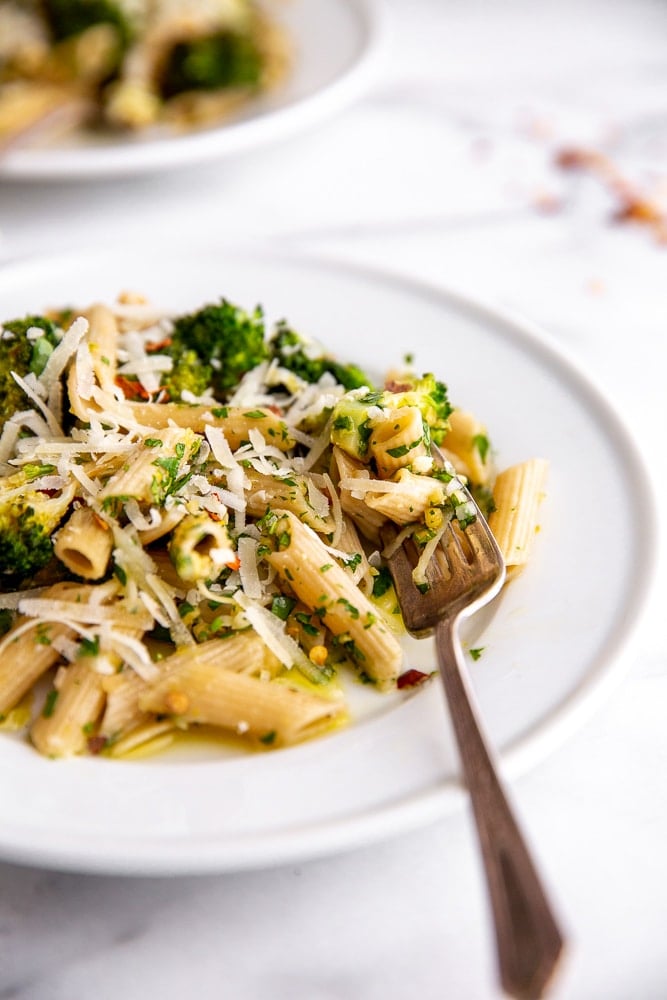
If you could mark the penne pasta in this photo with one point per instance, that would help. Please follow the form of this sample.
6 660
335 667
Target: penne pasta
222 497
197 689
71 710
84 544
305 565
517 495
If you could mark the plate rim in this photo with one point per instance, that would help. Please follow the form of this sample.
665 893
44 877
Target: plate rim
374 823
90 162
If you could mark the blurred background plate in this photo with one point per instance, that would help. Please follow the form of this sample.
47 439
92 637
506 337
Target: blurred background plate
334 42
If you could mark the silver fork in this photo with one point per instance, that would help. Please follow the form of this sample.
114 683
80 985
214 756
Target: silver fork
465 573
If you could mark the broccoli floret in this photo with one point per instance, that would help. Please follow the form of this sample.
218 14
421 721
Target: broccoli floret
351 422
70 17
226 59
223 339
20 354
25 545
429 395
28 517
189 374
355 414
308 361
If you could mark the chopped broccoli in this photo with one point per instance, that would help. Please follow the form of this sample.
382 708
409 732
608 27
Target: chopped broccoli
28 517
351 423
225 59
307 361
356 414
429 395
25 540
223 339
70 17
21 354
189 374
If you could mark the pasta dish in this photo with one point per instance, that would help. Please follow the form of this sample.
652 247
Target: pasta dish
190 517
130 64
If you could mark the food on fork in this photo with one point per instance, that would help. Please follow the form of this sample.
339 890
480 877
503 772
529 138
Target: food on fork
191 509
131 64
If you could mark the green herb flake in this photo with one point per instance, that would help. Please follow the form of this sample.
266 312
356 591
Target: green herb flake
477 652
403 449
90 647
281 606
382 582
42 636
268 738
482 444
50 704
305 622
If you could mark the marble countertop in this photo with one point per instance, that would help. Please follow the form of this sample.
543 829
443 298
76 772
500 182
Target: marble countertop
446 169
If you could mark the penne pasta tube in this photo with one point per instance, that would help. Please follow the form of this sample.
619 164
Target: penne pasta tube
517 494
102 340
26 658
199 691
70 712
200 548
152 470
289 493
84 544
467 446
121 711
397 440
367 520
29 649
235 421
404 499
306 567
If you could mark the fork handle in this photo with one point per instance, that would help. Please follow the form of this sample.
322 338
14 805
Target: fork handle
528 939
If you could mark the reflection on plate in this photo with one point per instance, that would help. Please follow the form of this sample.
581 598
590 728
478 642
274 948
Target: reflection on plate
548 649
333 42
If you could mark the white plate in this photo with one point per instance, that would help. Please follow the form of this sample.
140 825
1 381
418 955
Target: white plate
548 649
334 43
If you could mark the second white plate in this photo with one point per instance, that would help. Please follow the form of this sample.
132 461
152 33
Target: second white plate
333 42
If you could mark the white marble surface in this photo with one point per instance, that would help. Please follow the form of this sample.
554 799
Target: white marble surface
443 170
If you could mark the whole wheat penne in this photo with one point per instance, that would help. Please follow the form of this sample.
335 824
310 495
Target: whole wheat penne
70 711
203 692
235 421
305 565
467 445
84 544
287 492
517 494
397 440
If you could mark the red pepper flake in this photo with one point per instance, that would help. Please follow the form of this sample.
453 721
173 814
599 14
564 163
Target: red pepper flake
411 678
158 345
393 386
131 390
632 205
96 744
